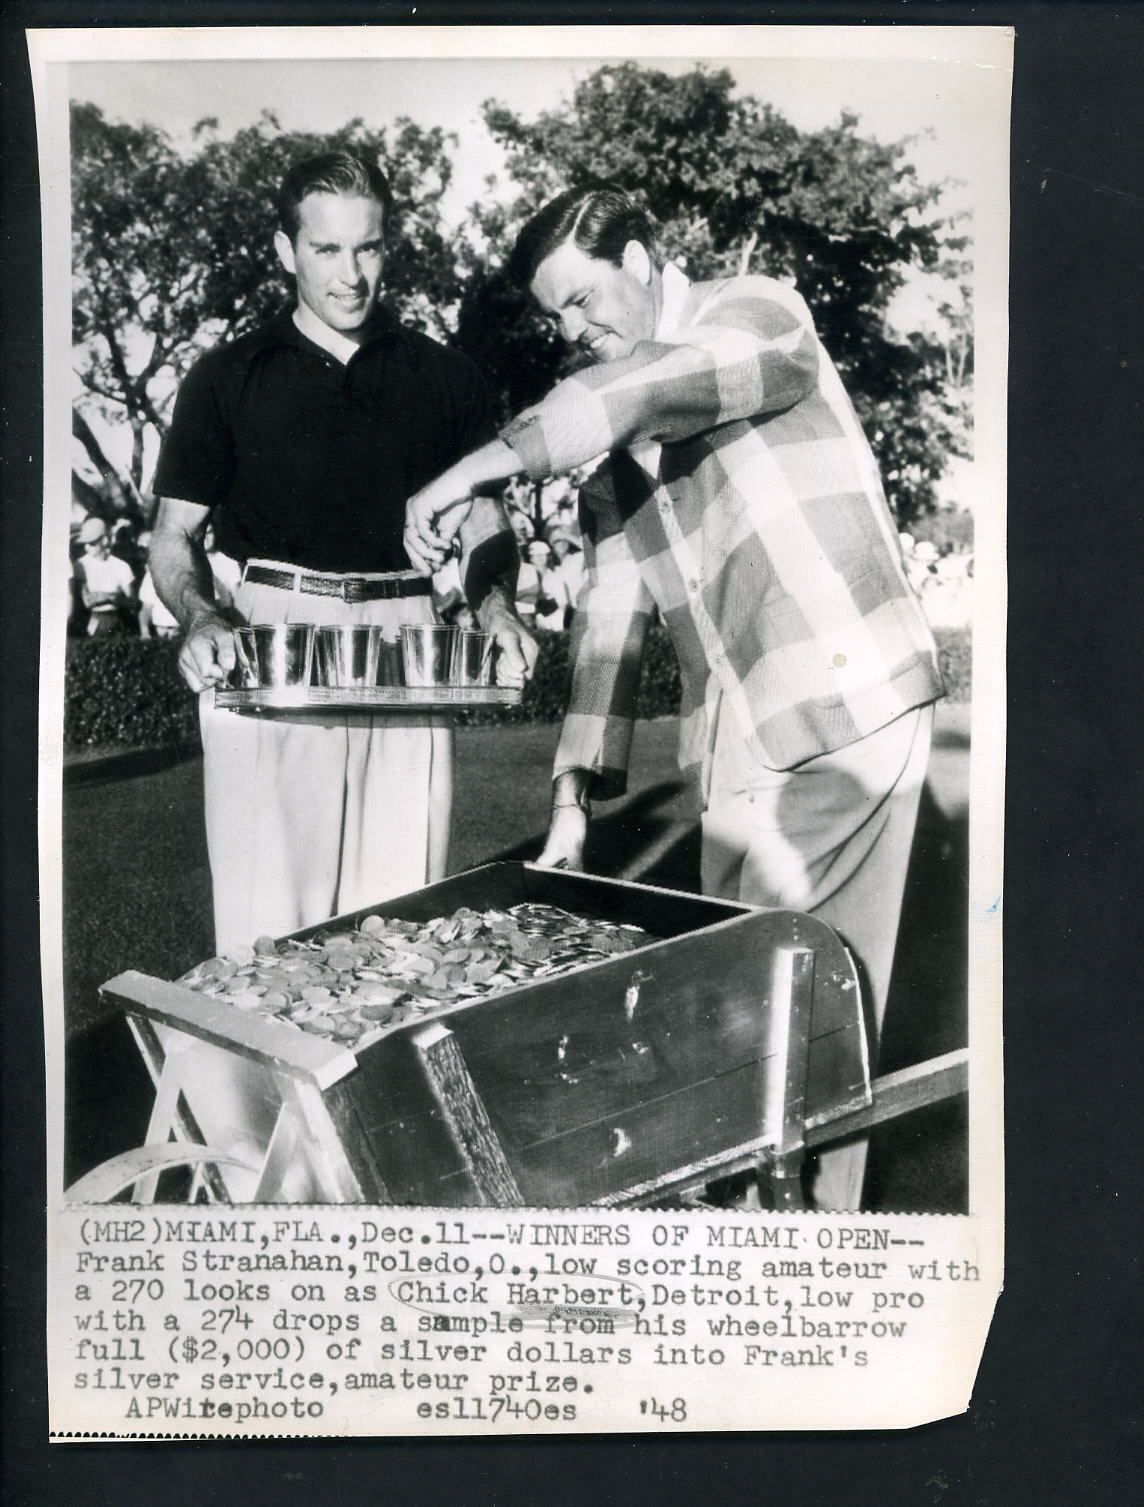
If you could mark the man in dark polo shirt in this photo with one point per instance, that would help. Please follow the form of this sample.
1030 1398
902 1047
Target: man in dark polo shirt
301 442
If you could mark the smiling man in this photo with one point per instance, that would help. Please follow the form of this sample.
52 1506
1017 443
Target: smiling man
301 443
740 498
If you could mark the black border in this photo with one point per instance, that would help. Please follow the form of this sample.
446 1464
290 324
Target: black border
1052 1415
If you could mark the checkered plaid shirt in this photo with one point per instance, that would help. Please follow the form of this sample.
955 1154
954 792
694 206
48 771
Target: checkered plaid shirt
740 497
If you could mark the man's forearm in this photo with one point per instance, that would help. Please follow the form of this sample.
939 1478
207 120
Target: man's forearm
183 579
492 463
763 359
184 583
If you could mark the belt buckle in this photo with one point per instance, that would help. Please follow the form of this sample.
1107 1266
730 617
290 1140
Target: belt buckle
344 589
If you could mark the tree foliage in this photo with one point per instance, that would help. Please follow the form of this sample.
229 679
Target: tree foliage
733 187
173 251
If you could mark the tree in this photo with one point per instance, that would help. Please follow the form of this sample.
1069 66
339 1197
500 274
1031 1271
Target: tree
733 187
174 251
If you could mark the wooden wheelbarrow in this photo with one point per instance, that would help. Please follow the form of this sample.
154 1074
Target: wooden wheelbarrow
736 1043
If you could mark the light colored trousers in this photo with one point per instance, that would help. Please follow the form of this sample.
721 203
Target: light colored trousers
832 837
312 815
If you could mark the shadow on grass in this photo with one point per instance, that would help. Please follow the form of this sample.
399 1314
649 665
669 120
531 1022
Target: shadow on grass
127 763
642 824
951 737
920 1162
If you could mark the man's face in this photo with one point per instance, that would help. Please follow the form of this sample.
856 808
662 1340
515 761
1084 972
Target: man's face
337 258
99 545
603 310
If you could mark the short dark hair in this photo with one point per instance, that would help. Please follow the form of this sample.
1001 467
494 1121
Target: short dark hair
600 219
330 173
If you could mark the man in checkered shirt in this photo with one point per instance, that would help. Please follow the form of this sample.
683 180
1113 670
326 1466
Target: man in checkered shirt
739 496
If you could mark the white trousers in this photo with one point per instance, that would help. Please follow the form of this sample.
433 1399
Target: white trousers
832 837
312 815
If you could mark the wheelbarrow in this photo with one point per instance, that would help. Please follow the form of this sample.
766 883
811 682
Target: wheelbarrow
734 1043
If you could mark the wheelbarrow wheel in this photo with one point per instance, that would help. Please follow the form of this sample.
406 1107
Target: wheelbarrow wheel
118 1173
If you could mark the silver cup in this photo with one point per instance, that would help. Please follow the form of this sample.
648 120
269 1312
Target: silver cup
472 658
348 654
427 653
389 662
275 654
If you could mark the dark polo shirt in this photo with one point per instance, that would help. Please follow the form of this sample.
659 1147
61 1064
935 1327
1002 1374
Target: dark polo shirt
310 461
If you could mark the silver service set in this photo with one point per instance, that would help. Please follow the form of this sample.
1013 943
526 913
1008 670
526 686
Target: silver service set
274 655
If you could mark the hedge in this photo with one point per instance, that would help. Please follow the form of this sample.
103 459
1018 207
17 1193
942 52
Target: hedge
127 692
947 528
546 692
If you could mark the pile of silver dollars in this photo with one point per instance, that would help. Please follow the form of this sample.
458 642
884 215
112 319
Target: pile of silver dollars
349 985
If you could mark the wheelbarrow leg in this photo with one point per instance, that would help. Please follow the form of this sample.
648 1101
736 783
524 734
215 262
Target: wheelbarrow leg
280 1154
164 1120
778 1171
182 1123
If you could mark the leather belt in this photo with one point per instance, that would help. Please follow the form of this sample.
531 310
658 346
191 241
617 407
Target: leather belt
346 588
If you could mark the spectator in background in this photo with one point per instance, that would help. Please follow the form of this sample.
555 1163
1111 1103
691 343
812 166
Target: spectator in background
77 612
154 619
129 542
565 545
527 588
521 525
227 573
106 584
920 563
553 604
540 594
563 490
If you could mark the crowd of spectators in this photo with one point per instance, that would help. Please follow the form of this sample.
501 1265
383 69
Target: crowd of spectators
942 576
551 553
111 587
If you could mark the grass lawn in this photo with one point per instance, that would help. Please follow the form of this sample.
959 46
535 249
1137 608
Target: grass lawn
137 895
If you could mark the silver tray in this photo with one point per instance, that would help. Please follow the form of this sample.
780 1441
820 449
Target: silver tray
388 698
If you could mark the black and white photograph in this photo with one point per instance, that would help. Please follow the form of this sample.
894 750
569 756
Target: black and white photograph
523 621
